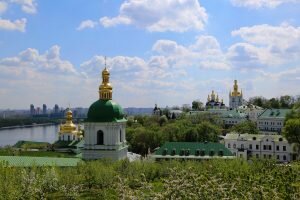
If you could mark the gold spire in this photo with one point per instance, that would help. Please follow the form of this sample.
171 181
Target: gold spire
217 98
105 89
208 98
213 95
235 92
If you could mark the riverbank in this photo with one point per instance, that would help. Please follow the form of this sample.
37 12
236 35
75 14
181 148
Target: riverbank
27 126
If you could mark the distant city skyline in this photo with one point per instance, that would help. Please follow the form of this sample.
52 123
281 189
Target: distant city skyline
158 52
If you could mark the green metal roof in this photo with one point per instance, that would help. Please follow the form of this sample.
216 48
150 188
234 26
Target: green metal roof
274 113
177 148
232 114
105 111
26 161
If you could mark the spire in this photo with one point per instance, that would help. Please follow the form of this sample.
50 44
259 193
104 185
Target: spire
217 98
235 91
208 98
105 89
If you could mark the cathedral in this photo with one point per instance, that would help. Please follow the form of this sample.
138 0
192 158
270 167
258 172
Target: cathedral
105 126
235 97
213 102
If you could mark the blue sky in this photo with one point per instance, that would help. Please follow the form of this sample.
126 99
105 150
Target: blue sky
166 52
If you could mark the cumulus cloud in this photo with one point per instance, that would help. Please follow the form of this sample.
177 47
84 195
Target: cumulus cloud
261 3
265 45
31 60
27 6
86 24
160 16
17 25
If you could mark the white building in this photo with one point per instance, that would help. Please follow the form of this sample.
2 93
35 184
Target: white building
235 97
259 146
272 120
252 111
105 126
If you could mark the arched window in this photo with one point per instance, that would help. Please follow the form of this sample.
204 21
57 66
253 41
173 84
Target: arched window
68 137
120 135
100 137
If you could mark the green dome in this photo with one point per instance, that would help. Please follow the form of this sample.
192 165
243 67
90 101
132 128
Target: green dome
105 111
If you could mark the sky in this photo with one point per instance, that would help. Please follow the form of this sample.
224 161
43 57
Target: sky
167 52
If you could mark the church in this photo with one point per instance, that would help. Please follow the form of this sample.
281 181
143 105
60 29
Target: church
105 126
235 97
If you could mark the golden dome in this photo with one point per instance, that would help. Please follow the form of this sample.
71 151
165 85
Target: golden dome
235 92
105 89
68 126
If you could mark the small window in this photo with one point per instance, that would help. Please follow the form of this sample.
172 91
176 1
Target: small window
221 153
270 156
278 157
284 157
229 145
284 148
202 153
182 152
257 146
254 138
264 147
187 152
173 152
280 139
197 152
211 153
165 151
270 147
242 146
120 135
100 137
250 146
265 156
277 148
234 146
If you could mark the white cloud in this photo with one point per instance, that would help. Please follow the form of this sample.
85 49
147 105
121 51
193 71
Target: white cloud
261 3
160 16
87 24
27 6
17 25
3 7
265 45
31 60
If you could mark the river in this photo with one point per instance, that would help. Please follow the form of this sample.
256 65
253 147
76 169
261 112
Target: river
48 133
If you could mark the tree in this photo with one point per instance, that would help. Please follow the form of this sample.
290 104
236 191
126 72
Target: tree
292 132
245 127
197 105
162 120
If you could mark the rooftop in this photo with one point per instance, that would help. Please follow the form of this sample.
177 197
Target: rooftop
251 137
274 113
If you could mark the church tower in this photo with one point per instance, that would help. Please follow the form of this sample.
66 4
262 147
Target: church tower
235 97
105 126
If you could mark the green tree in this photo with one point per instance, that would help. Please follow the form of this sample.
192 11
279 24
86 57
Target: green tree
163 120
292 132
245 127
197 105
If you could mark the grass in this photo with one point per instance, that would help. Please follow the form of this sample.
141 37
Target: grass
6 152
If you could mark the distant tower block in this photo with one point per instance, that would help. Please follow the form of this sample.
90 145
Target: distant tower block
235 97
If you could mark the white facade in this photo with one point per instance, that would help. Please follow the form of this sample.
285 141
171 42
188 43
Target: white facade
259 146
272 120
105 140
235 101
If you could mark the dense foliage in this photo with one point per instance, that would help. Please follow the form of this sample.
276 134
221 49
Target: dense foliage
214 179
144 133
285 101
245 127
